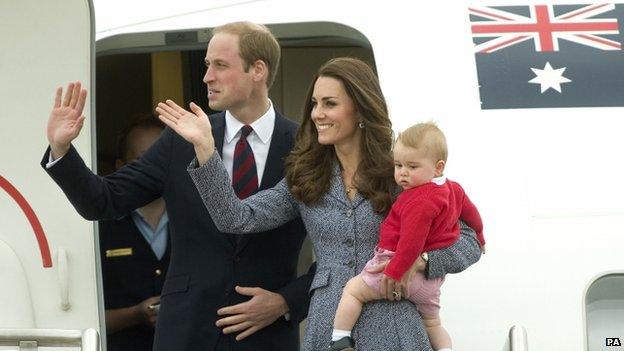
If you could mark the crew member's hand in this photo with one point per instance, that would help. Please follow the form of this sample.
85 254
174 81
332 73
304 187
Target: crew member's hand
145 314
194 127
66 118
248 317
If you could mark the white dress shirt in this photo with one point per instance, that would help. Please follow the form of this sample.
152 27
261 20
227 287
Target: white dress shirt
259 140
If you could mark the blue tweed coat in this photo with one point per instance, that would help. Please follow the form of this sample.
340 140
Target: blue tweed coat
344 233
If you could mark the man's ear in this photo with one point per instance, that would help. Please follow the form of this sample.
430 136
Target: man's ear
260 71
439 168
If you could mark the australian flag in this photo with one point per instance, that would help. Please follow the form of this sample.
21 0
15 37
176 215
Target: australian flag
549 55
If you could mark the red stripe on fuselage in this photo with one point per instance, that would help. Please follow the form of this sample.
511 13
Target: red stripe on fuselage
32 218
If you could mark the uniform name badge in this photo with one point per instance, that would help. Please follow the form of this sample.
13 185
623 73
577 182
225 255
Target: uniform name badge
127 251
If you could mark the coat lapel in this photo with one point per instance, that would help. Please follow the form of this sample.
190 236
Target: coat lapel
218 130
281 144
337 190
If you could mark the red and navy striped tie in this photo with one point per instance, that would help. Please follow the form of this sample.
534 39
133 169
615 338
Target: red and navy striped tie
244 174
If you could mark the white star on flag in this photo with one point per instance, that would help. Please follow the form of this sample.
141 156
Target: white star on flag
549 78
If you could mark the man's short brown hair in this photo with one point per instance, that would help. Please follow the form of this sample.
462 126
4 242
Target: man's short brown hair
255 42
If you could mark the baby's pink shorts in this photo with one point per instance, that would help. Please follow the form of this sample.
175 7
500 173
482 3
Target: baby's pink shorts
424 293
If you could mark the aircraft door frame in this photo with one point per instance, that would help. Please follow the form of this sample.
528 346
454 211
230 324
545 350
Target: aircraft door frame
47 44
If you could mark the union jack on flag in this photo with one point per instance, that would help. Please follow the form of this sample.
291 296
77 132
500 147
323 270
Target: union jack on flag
544 27
548 56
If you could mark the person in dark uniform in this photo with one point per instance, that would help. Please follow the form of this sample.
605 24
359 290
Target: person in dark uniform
135 255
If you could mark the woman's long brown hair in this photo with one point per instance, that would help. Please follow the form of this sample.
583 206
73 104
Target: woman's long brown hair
310 165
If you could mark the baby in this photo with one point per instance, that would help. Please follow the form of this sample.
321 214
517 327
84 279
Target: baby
424 217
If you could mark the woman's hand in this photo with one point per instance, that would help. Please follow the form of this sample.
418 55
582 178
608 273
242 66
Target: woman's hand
390 289
394 290
403 286
194 127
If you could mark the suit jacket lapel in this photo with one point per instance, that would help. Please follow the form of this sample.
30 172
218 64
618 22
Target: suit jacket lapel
281 143
218 130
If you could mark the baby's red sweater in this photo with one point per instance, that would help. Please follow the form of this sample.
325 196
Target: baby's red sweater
425 218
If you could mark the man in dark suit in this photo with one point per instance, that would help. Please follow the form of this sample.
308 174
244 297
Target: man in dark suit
255 277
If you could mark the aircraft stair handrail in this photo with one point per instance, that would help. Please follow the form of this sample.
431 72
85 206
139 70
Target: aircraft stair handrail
32 339
63 276
518 340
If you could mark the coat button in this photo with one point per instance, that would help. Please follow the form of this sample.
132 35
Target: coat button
351 264
237 259
158 272
348 242
349 212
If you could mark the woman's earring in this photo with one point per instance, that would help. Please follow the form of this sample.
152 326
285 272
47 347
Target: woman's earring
361 125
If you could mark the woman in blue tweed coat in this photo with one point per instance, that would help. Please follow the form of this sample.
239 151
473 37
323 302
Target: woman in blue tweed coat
339 179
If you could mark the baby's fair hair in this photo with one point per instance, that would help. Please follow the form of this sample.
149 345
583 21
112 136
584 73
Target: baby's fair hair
427 137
